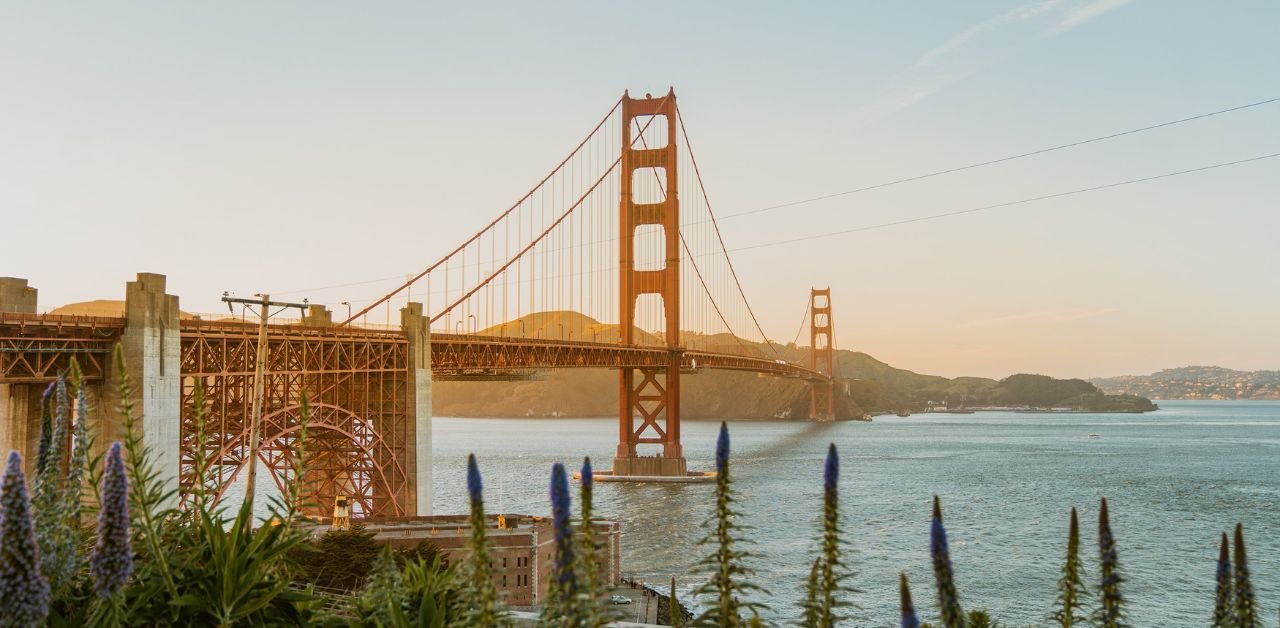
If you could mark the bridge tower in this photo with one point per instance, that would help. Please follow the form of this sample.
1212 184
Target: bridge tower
821 355
650 394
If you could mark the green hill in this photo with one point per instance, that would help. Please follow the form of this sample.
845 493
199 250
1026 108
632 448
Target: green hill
865 386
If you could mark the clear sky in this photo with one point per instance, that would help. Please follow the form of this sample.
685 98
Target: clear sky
253 146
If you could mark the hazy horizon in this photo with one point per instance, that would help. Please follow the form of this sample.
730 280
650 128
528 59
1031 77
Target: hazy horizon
325 151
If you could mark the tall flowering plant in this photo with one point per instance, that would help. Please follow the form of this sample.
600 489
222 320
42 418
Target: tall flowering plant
948 599
1224 611
828 575
1071 584
729 583
82 441
482 604
1246 607
561 607
56 499
907 610
46 429
111 562
24 594
590 600
1110 613
112 558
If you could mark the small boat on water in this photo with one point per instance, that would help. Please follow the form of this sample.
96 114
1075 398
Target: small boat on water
1093 436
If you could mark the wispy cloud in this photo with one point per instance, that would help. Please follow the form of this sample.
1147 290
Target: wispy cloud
973 33
912 92
1039 317
1087 12
963 54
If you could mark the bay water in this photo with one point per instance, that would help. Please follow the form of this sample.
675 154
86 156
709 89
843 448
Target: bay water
1175 479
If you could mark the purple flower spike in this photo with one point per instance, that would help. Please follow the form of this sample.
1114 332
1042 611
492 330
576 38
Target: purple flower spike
587 475
1246 605
564 532
474 487
831 473
1223 610
1112 600
909 619
24 594
722 448
948 599
112 559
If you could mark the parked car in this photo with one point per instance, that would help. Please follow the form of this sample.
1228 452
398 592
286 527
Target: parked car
620 599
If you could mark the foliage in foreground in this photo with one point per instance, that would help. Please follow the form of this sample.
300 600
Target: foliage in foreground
144 562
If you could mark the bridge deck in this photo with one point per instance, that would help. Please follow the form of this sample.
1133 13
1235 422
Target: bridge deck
35 348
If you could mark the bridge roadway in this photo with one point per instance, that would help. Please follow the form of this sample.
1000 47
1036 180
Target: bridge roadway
35 348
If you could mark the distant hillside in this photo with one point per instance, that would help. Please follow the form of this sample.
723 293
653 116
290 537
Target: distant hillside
865 384
1196 382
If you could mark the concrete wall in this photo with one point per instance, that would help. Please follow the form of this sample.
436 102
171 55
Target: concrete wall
417 329
20 422
17 296
152 348
19 414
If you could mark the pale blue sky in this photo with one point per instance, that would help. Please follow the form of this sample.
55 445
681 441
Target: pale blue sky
255 146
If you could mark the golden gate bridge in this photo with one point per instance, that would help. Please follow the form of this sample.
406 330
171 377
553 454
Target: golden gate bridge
621 231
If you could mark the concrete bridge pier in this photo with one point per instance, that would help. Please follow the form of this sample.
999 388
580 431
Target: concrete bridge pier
417 328
152 347
19 403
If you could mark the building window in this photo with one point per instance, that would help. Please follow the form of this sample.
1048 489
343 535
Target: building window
504 580
504 562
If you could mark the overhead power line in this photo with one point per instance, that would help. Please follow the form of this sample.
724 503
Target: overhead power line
895 182
971 210
997 161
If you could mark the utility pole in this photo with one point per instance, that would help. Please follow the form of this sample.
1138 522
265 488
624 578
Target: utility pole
264 313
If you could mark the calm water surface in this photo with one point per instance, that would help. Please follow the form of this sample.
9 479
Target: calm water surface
1175 479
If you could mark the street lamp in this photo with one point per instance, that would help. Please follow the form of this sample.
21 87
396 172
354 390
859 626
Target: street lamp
472 318
348 304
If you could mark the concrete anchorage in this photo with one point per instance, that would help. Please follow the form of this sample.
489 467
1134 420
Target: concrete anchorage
19 403
152 349
417 328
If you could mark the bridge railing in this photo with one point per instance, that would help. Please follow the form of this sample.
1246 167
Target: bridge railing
60 320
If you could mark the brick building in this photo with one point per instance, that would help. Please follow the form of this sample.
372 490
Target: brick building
521 548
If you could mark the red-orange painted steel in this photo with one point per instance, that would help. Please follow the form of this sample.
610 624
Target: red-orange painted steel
38 347
355 383
655 398
822 355
470 355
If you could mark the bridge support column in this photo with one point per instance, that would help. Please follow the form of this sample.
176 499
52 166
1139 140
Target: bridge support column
19 403
651 395
821 356
152 348
417 328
